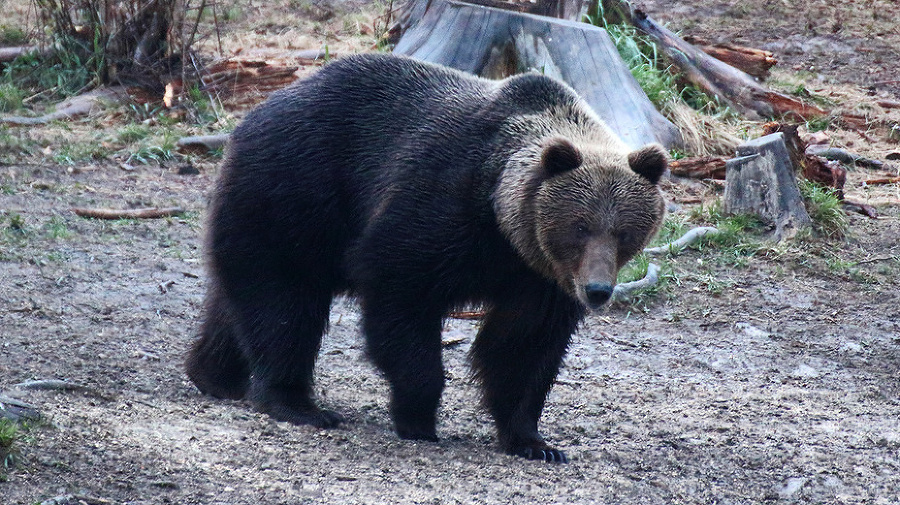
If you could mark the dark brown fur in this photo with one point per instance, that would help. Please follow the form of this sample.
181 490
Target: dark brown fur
418 189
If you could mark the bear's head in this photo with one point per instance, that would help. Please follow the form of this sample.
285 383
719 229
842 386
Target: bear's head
581 214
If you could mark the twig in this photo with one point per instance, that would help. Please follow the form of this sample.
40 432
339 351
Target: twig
687 239
52 384
149 213
885 180
624 291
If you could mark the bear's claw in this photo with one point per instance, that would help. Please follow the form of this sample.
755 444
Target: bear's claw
548 455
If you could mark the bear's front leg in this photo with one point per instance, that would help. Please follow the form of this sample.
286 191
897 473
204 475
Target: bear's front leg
517 356
404 342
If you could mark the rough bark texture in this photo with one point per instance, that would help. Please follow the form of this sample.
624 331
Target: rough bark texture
499 43
755 62
761 181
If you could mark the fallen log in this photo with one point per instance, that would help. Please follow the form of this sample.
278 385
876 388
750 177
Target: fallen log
844 156
755 62
703 167
9 54
147 213
201 144
231 77
884 180
499 43
716 78
77 106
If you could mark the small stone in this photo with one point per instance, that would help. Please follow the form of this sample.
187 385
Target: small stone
791 487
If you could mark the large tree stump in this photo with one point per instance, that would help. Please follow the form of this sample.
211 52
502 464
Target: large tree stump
495 43
761 181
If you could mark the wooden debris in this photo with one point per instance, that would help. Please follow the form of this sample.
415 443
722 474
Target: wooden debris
146 213
859 208
826 173
17 410
687 239
496 43
730 85
77 106
51 384
703 167
231 77
889 104
628 289
201 144
9 54
883 180
837 154
761 181
755 62
795 145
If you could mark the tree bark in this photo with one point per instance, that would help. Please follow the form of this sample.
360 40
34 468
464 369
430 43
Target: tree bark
755 62
499 43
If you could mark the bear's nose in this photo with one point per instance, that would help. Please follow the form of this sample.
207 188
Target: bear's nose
597 294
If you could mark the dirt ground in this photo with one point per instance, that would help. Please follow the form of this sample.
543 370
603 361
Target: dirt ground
769 377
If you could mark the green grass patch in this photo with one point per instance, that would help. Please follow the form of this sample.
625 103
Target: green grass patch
12 35
824 209
9 439
11 97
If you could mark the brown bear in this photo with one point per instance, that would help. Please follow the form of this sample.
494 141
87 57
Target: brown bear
418 189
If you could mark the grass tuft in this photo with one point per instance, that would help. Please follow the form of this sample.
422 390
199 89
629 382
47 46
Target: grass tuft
824 208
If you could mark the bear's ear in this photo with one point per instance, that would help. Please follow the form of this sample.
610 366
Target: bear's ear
560 156
649 162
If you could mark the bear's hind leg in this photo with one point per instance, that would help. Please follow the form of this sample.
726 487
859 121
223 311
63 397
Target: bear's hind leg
516 356
405 344
215 363
282 327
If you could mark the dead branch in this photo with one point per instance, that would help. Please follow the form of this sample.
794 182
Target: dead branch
236 76
74 107
202 143
9 54
51 385
628 289
147 213
859 208
17 410
755 62
687 239
703 167
730 85
837 154
884 180
825 172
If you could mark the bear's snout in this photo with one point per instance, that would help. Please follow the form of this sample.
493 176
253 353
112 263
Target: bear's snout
597 294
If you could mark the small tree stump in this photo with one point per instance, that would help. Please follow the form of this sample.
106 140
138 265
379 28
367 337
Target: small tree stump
495 44
761 181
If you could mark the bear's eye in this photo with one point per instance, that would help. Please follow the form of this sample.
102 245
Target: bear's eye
624 237
582 230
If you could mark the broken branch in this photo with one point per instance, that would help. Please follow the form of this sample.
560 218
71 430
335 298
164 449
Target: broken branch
148 213
626 290
687 239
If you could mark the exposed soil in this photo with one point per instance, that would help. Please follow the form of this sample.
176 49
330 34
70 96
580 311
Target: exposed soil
764 378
